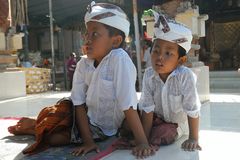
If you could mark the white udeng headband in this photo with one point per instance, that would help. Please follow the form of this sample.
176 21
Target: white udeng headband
108 14
172 31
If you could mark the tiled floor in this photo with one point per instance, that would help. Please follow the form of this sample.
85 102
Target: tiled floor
219 127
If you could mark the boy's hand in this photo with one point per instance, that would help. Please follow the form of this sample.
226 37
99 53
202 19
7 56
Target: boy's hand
190 145
143 150
85 148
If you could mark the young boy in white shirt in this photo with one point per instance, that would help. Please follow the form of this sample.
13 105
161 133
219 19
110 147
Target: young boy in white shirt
169 102
104 83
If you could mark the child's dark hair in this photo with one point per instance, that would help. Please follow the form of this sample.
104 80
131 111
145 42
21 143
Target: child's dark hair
113 32
181 51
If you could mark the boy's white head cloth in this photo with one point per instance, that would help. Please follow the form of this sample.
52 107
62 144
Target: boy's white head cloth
172 31
108 14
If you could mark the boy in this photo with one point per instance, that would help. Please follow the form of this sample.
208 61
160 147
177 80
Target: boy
104 83
71 66
169 101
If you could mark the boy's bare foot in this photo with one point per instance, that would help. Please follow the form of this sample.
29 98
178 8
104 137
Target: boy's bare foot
24 126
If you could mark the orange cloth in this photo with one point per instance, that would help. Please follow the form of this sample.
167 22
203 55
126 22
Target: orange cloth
51 119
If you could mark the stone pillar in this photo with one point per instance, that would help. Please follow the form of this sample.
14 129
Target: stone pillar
189 15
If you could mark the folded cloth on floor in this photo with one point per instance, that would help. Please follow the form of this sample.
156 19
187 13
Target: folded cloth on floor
51 119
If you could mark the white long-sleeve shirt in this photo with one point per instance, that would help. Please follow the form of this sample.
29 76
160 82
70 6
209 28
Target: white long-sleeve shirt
172 100
107 90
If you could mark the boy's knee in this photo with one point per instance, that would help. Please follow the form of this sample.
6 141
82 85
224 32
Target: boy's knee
58 139
163 134
168 139
125 130
53 139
